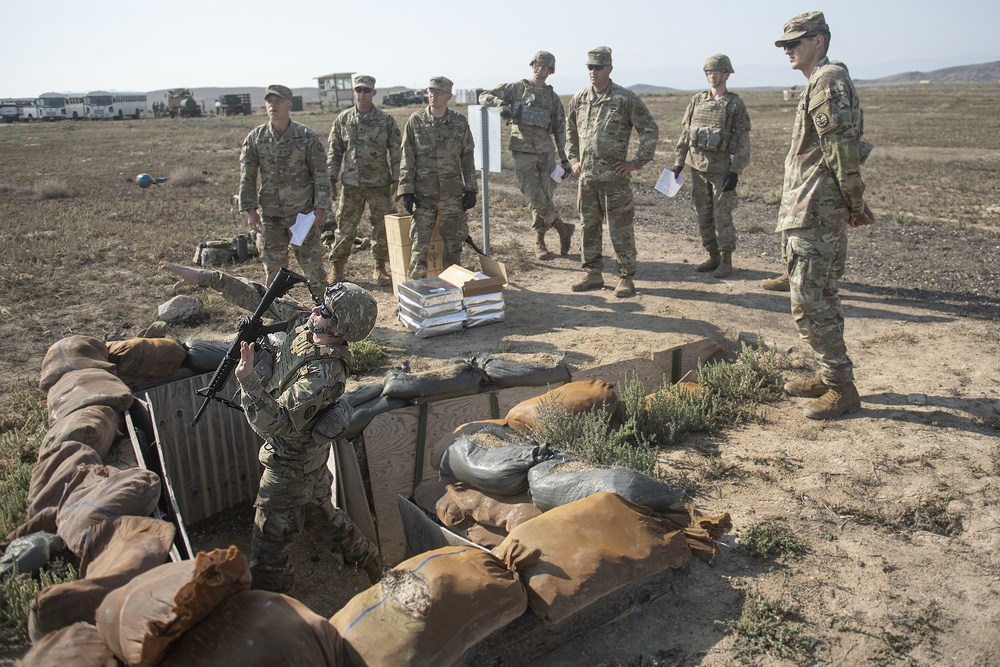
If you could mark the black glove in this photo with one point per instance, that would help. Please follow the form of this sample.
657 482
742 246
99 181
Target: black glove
567 169
468 200
410 202
505 112
729 184
677 170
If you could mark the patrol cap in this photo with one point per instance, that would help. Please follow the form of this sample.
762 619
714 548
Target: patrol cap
599 56
284 92
364 81
719 61
441 83
802 25
545 58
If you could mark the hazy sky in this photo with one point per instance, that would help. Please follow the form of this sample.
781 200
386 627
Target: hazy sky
150 45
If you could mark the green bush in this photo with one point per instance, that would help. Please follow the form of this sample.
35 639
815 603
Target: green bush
368 355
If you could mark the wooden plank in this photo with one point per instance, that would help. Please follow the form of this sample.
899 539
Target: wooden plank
353 498
691 353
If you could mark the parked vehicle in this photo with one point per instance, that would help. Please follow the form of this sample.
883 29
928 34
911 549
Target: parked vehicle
235 104
60 106
102 105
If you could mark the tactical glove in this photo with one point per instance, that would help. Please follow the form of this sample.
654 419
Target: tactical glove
468 200
505 112
729 184
677 170
566 167
410 202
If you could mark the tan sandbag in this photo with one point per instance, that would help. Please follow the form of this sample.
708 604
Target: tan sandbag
72 354
485 536
259 629
103 494
463 504
590 548
574 397
91 386
429 491
42 521
53 476
429 609
701 531
146 357
95 426
444 443
118 551
140 621
74 646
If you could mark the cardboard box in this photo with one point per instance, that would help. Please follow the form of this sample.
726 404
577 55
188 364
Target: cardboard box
397 232
473 286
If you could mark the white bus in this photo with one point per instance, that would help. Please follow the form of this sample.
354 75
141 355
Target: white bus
101 104
60 106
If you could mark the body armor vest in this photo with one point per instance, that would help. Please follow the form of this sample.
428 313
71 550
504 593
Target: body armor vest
708 131
531 111
296 351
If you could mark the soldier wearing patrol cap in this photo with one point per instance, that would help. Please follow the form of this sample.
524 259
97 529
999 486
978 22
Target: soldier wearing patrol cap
537 119
715 139
290 160
437 177
823 195
363 154
598 127
291 393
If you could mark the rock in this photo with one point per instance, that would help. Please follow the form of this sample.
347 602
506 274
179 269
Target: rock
180 308
216 256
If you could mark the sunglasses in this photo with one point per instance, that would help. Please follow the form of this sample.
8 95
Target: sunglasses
596 68
330 291
795 42
363 90
710 72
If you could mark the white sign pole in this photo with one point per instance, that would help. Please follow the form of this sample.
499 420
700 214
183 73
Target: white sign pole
485 125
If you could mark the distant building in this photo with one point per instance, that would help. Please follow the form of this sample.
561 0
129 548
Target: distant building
335 88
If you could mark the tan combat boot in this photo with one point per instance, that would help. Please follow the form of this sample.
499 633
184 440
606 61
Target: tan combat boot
810 387
626 288
565 230
710 264
339 271
588 282
541 252
779 284
835 402
379 275
725 268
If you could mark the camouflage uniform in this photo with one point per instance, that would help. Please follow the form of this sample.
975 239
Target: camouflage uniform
438 166
539 118
715 139
364 152
822 190
598 128
292 384
293 180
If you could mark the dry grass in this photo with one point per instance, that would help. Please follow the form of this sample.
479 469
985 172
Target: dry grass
53 189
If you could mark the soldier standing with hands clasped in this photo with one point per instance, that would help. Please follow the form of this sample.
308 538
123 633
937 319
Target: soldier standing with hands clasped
823 194
600 121
537 118
715 139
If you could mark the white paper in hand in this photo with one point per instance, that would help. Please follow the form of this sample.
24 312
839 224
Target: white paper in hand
558 173
303 223
667 184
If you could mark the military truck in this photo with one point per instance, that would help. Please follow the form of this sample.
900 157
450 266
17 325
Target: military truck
235 104
181 102
404 98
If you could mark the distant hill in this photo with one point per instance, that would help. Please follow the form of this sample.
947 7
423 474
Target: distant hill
647 88
982 73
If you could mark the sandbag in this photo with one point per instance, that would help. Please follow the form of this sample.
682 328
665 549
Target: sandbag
462 378
485 536
119 550
259 629
429 609
591 548
575 397
430 491
562 480
503 373
364 413
90 386
28 554
462 505
493 458
362 393
469 427
52 476
72 354
77 645
103 494
204 356
141 620
94 425
146 357
42 521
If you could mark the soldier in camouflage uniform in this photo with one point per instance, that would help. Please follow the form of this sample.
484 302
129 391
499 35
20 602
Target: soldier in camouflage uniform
363 153
536 115
598 127
823 194
293 179
291 396
715 138
437 177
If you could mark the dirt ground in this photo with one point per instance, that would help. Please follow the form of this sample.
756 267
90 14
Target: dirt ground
896 503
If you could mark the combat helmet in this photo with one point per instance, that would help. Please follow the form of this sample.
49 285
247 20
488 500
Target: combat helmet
719 62
545 58
352 308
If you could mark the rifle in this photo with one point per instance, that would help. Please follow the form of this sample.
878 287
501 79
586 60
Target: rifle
250 330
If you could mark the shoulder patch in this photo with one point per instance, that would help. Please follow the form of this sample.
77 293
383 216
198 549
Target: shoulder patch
822 120
310 412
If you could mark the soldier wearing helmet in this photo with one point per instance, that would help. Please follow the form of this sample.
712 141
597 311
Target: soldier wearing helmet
537 119
715 140
290 390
